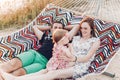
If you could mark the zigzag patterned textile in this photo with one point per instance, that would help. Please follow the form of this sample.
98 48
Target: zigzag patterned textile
109 34
25 39
18 42
52 13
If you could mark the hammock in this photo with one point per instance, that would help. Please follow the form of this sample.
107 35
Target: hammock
102 9
25 39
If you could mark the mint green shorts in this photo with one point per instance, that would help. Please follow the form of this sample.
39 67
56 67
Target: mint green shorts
32 61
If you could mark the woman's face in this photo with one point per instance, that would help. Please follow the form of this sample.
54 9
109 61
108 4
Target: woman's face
85 29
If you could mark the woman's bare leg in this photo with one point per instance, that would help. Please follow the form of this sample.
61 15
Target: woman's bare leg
61 73
11 65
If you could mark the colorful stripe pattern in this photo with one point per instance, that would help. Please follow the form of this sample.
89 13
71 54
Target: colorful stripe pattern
109 34
53 13
18 42
25 39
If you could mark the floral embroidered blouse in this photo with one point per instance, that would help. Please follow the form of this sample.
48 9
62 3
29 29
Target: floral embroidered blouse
81 49
54 63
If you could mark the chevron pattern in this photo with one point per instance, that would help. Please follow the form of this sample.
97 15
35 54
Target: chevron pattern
25 39
18 42
52 14
109 34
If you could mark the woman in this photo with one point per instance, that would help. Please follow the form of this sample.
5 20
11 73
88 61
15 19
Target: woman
84 45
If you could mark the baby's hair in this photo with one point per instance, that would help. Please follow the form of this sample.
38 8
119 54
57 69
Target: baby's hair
58 34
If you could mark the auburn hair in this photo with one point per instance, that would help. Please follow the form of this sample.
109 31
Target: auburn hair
90 21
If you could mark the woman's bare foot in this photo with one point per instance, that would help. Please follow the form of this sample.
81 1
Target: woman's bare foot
1 78
7 76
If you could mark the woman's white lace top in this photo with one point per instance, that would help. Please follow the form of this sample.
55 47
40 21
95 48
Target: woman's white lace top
81 50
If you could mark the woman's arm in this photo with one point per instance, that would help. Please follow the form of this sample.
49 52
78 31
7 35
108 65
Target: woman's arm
73 32
73 58
68 53
69 27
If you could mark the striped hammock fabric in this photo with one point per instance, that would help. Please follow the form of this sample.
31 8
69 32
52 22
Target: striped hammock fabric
25 39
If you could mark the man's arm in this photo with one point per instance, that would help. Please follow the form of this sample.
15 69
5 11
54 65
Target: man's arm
42 27
38 30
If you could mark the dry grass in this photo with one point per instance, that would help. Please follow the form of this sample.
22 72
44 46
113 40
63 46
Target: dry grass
25 13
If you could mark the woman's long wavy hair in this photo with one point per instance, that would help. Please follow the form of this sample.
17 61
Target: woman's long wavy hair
90 21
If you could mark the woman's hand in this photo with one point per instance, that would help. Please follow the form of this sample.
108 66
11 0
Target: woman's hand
64 55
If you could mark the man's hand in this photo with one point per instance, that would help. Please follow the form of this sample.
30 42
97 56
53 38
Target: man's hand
37 32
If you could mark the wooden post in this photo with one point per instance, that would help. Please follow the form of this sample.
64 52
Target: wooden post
109 74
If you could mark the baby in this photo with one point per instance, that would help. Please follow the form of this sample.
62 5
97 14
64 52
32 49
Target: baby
60 42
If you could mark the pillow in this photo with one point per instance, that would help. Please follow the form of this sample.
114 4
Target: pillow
53 13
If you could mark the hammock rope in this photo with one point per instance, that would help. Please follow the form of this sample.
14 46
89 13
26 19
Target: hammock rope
107 10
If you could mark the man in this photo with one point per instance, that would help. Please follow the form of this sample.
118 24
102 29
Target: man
32 61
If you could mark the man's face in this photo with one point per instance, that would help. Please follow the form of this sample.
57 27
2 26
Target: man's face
57 26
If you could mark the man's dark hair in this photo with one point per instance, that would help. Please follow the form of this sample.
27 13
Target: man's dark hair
59 23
